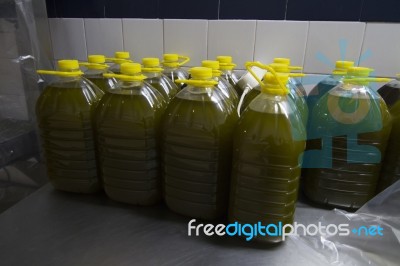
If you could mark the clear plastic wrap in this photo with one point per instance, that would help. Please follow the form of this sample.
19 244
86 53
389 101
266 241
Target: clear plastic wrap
355 249
24 46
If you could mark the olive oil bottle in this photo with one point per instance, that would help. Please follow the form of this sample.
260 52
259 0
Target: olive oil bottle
353 123
197 141
65 112
127 123
152 70
391 164
269 141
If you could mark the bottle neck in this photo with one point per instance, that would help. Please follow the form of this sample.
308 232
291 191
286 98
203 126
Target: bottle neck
123 84
152 74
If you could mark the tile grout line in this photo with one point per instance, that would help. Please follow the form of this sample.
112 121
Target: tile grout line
122 31
287 2
51 41
255 39
84 36
163 32
219 8
362 43
305 47
208 22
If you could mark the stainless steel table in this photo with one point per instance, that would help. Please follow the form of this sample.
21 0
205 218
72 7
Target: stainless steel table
56 228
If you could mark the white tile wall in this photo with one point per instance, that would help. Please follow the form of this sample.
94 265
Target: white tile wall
68 38
103 36
281 39
186 37
381 48
232 37
315 45
143 37
331 41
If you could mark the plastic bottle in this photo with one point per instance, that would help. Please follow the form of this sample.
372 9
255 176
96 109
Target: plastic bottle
226 88
172 64
391 164
127 125
226 65
118 59
197 148
353 123
64 114
96 67
152 70
294 93
328 83
295 82
267 151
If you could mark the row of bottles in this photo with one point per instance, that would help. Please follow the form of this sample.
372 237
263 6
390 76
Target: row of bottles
211 141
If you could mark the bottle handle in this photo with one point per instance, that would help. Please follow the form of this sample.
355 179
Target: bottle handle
185 59
60 73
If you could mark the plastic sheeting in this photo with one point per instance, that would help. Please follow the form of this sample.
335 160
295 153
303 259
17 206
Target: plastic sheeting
24 46
354 249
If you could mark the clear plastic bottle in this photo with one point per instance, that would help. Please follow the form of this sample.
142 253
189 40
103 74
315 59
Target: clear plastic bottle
152 70
127 125
96 67
64 112
391 164
269 141
353 123
119 58
197 148
172 64
227 66
328 83
225 87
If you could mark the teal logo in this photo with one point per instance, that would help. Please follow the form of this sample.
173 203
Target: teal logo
336 122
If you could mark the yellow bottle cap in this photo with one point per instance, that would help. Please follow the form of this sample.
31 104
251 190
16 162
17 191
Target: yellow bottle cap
344 64
341 67
201 72
201 77
68 65
130 68
68 68
224 59
214 65
225 62
122 55
280 68
129 72
151 64
359 71
96 59
282 60
360 75
172 60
